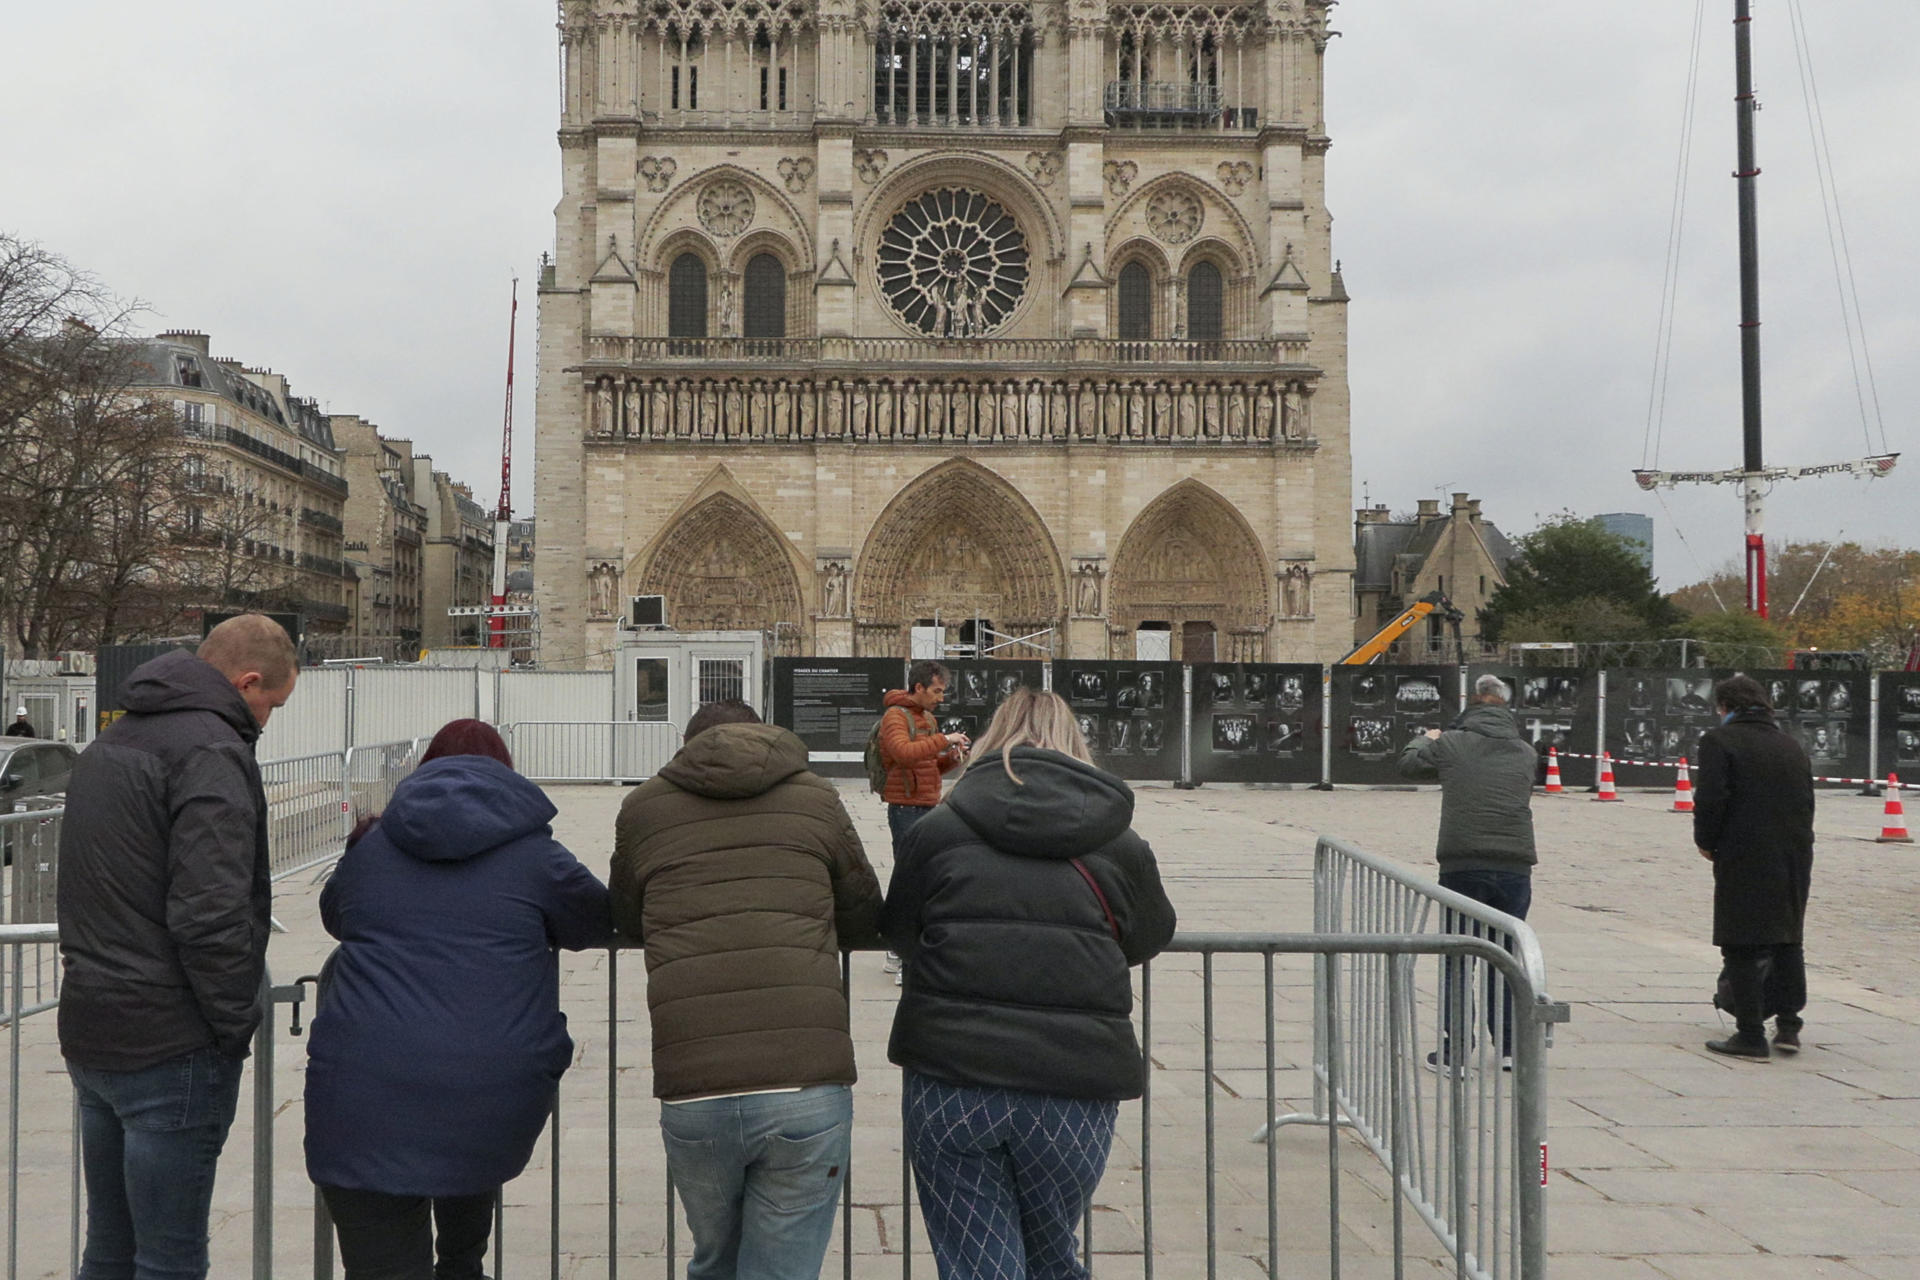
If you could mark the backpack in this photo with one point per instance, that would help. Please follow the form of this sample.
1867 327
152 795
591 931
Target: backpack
876 762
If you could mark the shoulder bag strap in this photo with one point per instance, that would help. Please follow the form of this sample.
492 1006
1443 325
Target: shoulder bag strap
1112 925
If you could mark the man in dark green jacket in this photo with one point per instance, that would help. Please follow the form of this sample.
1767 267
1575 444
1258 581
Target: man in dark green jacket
741 873
1485 849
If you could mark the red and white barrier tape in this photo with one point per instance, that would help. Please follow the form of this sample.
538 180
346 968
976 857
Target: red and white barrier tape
1675 764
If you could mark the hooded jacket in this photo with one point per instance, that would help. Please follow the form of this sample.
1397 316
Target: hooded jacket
164 889
1014 978
438 1039
916 759
1753 811
1486 774
741 873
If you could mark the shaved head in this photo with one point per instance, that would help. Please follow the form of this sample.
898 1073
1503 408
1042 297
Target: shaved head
252 642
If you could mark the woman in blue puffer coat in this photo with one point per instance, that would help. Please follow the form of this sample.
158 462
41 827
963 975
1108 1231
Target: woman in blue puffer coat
439 1041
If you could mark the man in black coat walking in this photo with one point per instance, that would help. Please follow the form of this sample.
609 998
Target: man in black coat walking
1753 820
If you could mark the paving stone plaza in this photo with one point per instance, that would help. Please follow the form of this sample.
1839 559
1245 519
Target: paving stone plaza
1666 1161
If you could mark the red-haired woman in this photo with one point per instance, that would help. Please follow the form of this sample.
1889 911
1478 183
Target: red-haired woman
439 1043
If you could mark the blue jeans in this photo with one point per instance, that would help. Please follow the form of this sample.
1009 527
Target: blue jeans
1004 1176
900 820
1508 891
149 1142
760 1178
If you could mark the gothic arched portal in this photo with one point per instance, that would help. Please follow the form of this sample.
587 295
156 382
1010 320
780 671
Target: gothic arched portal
1189 560
957 543
722 568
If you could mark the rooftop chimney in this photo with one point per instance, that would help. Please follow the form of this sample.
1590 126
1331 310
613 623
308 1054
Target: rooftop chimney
1429 510
189 338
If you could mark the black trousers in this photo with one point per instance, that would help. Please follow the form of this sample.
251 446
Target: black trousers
385 1237
1757 983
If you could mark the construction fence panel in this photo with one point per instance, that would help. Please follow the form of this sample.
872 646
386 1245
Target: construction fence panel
588 751
1655 718
305 803
1558 709
553 695
394 703
370 774
314 719
1899 713
1256 722
1132 714
1377 711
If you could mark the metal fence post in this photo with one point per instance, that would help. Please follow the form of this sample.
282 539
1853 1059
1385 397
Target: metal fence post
1599 728
1326 730
263 1136
1186 728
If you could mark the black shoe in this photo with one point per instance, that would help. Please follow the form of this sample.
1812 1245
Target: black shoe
1439 1065
1742 1044
1787 1039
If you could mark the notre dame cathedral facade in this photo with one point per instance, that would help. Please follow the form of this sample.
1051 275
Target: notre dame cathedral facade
873 313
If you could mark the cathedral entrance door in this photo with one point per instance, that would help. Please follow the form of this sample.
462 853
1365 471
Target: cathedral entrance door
1196 642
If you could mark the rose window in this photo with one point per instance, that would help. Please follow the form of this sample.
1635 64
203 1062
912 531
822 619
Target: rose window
726 208
953 264
1175 216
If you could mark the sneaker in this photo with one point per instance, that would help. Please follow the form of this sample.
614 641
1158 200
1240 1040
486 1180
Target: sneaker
1438 1065
891 964
1742 1045
1787 1039
1506 1062
899 978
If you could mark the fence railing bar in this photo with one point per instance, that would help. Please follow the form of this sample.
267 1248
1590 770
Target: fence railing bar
1146 1119
1335 1069
613 1123
1397 1126
1206 1004
1273 1148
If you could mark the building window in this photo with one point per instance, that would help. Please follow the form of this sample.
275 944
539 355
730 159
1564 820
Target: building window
1136 303
953 264
765 313
687 297
1204 303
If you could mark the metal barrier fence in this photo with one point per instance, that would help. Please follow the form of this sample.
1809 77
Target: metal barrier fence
591 750
1467 1154
303 810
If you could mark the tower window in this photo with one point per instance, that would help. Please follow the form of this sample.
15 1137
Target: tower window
1136 303
687 297
765 312
1204 320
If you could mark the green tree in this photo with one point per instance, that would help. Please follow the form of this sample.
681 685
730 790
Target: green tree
1566 571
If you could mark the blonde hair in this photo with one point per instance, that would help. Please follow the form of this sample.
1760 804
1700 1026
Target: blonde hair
1033 718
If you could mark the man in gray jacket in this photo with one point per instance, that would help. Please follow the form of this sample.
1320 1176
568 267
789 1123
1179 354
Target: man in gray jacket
163 931
1485 849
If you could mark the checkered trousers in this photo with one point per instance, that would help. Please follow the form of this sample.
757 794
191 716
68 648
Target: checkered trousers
1004 1177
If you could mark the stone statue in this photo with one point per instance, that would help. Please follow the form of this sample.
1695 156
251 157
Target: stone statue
833 589
604 424
1296 591
633 409
602 583
1296 413
977 313
1086 590
727 315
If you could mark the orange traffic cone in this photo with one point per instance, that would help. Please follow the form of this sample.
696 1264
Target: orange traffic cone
1606 778
1553 772
1893 829
1683 790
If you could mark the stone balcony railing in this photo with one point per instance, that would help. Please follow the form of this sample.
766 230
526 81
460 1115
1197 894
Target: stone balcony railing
1282 354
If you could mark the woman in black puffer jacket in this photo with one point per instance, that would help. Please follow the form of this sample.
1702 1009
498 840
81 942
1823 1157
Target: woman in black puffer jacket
1019 905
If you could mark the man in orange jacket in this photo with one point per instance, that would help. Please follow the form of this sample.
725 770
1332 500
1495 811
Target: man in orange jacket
916 755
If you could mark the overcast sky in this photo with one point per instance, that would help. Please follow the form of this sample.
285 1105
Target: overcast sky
342 192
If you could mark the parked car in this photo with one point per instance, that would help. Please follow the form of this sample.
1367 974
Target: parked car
31 771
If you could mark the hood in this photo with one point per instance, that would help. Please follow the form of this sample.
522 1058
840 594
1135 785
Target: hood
1750 715
1489 721
901 698
735 761
178 681
1059 809
452 808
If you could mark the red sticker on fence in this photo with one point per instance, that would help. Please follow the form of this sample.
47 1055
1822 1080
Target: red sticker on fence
345 807
1543 1164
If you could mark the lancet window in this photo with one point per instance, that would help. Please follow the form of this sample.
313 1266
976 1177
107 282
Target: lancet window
946 64
1136 303
765 312
1205 303
687 297
1183 67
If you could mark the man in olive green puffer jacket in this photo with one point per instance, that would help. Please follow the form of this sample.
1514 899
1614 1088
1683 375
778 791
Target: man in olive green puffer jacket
740 871
1485 848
